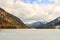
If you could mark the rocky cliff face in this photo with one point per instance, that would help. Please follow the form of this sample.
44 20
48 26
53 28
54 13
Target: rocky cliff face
9 21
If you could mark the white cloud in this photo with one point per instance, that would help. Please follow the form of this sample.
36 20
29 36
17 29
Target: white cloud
26 12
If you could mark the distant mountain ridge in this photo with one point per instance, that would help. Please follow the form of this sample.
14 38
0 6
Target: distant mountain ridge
52 24
35 24
49 25
10 21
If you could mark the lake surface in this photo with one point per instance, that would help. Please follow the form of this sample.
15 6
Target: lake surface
30 34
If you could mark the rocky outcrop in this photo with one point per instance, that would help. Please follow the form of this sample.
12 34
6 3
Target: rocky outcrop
9 21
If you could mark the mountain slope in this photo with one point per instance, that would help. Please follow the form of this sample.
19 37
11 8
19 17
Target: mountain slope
35 24
54 23
8 20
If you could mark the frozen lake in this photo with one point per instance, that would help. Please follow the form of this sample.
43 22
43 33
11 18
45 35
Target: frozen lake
30 34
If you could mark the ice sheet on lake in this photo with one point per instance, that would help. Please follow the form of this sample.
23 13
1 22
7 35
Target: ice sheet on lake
30 34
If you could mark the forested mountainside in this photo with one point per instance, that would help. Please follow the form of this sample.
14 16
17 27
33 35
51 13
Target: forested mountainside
9 21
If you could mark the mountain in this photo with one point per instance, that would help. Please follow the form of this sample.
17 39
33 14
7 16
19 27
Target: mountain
54 23
9 21
35 24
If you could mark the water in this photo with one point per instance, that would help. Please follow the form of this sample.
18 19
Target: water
30 34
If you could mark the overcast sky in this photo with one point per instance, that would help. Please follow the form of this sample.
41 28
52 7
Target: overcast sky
30 11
